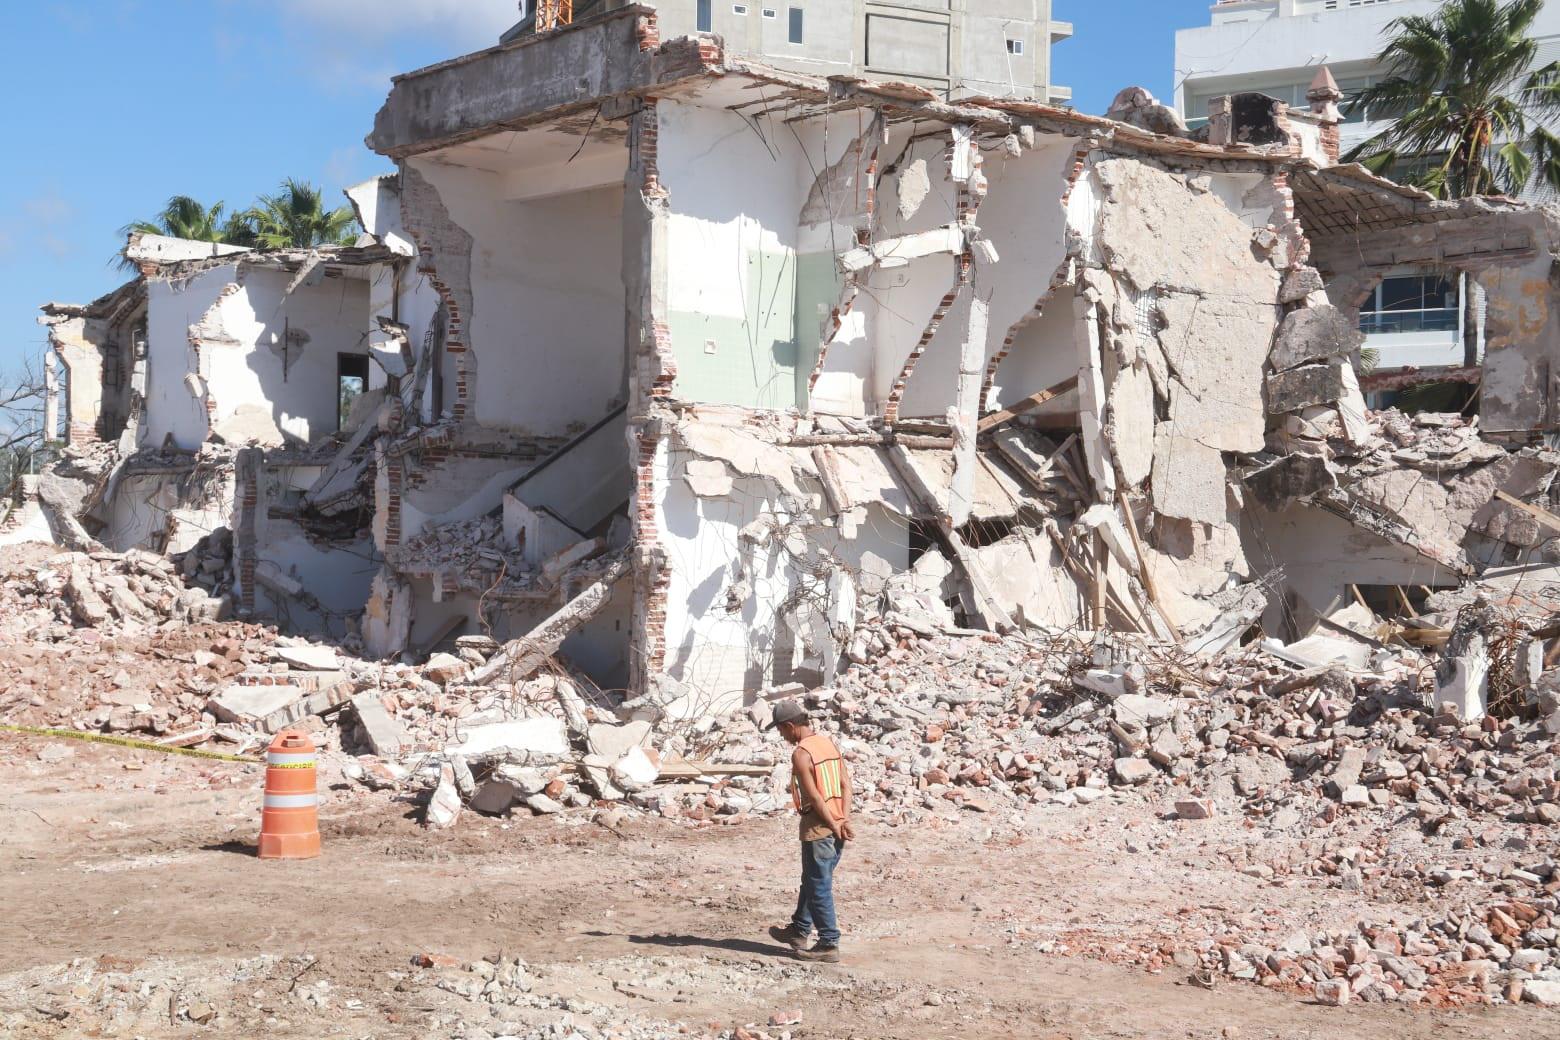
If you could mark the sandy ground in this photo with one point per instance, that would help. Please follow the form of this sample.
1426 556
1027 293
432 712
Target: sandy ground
133 905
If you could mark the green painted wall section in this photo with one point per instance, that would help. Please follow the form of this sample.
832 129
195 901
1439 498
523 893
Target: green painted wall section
818 287
763 359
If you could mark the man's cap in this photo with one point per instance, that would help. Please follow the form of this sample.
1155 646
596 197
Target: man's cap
787 711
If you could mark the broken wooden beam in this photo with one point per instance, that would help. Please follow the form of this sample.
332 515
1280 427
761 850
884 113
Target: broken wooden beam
519 658
1543 516
1145 572
1029 403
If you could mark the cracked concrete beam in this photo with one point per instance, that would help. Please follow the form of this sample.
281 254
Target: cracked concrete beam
521 657
899 251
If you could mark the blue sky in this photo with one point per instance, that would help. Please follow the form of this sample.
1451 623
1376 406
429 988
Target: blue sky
113 105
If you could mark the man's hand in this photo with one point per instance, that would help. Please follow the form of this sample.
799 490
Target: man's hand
843 830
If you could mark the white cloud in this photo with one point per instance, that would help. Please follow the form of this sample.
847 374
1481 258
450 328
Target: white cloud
467 23
45 221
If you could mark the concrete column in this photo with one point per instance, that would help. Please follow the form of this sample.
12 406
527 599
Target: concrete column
51 396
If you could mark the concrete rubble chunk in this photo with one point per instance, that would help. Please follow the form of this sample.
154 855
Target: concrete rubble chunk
1300 282
444 668
539 738
1195 809
612 742
248 704
444 807
1142 710
380 731
1333 992
313 704
1289 478
635 771
1314 334
543 805
1346 771
1306 386
310 658
1131 771
597 770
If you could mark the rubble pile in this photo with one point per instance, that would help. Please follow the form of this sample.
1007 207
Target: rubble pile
473 548
1354 776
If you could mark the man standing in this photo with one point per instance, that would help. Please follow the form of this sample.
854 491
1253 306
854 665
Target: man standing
820 790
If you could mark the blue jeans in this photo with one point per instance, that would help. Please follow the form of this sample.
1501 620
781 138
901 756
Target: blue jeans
815 902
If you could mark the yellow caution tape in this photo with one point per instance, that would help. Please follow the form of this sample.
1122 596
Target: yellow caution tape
142 745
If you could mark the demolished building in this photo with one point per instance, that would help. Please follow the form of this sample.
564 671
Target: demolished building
684 365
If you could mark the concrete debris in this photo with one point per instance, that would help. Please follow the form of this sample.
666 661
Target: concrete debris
1098 517
378 729
1137 107
536 739
250 704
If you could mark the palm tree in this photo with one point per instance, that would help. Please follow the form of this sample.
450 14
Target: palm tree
188 218
184 217
296 218
1470 108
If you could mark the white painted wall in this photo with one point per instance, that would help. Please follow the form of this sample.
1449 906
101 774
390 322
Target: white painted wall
1044 353
237 362
548 320
301 395
903 299
172 307
732 255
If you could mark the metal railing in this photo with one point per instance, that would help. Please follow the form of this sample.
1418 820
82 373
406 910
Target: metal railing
1439 319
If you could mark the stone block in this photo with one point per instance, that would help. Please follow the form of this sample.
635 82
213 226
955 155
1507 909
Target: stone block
1306 386
612 742
247 705
381 732
1194 809
1279 483
309 658
541 737
1314 334
1132 770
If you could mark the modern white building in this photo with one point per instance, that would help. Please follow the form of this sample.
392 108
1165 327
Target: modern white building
1413 318
995 48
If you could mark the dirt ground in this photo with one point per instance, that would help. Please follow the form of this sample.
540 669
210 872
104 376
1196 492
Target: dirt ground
134 906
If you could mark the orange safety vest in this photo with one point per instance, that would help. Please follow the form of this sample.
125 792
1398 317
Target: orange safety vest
828 774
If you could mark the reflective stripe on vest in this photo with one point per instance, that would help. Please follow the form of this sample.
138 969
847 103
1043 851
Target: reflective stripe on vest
828 774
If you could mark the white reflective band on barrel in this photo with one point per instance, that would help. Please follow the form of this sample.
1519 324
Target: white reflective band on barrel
285 758
291 801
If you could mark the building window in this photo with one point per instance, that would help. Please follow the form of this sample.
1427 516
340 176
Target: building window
770 12
1412 303
1015 46
703 21
796 25
351 381
740 9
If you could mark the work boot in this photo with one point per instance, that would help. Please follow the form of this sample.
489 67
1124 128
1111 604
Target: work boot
827 954
789 935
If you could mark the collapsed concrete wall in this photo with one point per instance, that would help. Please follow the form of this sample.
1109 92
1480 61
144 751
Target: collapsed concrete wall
259 356
97 347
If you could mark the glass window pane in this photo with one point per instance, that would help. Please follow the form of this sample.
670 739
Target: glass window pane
1402 294
703 16
796 25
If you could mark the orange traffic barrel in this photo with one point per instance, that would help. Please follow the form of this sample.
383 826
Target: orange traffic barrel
289 819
